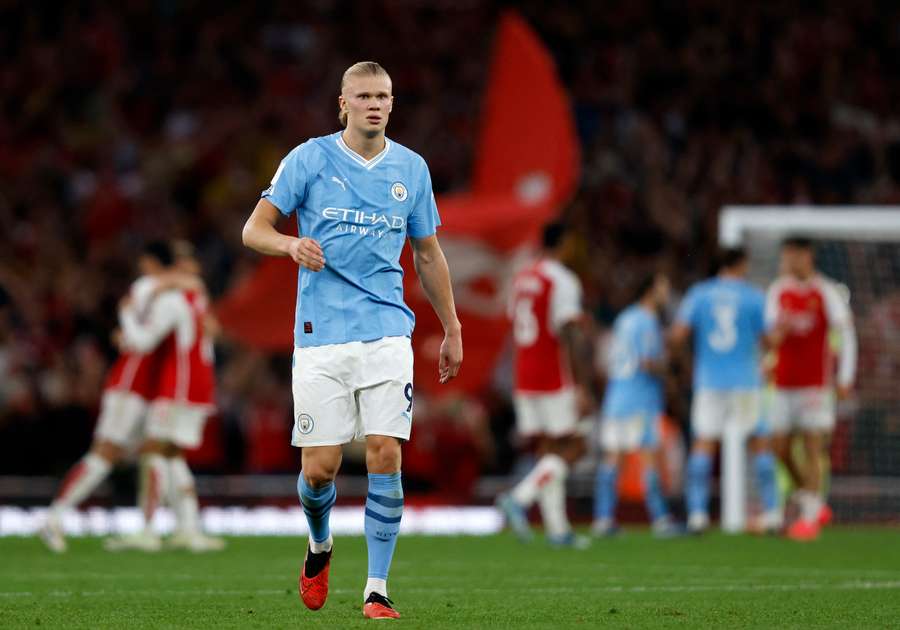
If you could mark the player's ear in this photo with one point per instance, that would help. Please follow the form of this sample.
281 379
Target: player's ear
391 106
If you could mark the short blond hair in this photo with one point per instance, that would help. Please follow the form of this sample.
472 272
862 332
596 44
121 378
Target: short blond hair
371 68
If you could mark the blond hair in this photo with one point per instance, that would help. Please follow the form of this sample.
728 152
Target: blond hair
371 68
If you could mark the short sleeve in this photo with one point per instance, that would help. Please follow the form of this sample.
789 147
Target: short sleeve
288 187
687 310
837 304
565 300
423 218
773 306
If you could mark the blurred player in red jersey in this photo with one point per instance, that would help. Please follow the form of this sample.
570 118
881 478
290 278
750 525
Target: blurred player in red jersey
552 386
808 308
178 327
129 386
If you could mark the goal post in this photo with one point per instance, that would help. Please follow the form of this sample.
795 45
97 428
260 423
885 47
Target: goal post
858 246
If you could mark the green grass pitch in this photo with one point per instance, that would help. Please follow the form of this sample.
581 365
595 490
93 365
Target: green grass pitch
848 579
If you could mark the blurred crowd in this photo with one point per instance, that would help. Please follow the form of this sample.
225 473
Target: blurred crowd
166 118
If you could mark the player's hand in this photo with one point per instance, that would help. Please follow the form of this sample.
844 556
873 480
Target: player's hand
306 252
844 392
584 401
118 339
451 356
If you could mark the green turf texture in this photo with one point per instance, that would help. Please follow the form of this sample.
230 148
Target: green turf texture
848 579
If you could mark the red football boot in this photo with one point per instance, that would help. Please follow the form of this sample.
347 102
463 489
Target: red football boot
314 590
379 607
803 531
825 515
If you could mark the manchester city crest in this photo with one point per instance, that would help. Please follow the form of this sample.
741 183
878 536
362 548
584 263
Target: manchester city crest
398 191
305 423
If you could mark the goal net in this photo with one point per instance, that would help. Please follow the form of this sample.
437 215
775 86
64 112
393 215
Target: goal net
859 247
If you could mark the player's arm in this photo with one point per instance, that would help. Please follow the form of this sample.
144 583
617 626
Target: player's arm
285 194
434 275
775 325
576 340
144 334
840 319
568 319
261 235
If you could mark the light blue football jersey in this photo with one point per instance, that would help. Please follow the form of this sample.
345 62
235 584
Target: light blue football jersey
630 389
360 211
727 317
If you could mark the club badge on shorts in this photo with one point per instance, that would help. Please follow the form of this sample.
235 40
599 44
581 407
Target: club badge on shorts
398 191
305 423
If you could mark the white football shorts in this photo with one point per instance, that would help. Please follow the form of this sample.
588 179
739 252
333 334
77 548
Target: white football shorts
802 409
350 390
179 423
630 433
121 420
553 414
712 410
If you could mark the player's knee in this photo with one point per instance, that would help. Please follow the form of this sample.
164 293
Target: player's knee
108 451
319 472
383 454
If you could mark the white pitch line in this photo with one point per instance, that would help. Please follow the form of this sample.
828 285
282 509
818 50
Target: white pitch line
698 588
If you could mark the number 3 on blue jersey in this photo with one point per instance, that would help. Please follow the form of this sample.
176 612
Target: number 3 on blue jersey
723 337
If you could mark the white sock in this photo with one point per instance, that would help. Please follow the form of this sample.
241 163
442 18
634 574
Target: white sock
321 547
375 585
552 502
183 496
80 482
153 485
549 468
810 505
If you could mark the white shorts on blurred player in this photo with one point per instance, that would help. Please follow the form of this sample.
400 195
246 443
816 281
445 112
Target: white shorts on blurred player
802 409
712 409
347 391
630 434
553 414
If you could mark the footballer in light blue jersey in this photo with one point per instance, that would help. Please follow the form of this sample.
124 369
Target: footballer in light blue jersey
725 316
632 388
360 212
632 407
357 197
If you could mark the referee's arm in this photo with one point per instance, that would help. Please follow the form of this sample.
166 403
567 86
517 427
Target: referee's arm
434 274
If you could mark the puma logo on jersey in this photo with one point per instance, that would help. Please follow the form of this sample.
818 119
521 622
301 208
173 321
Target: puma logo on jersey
339 182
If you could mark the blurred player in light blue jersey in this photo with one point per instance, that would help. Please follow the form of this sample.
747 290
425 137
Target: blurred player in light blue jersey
357 197
632 406
726 316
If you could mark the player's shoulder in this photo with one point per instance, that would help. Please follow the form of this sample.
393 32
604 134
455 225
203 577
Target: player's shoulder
312 148
403 153
700 289
558 273
782 283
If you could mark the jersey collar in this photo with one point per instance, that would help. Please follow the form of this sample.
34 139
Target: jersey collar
356 157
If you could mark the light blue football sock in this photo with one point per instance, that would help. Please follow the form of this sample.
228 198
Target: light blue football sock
767 483
384 508
606 492
653 497
317 504
697 490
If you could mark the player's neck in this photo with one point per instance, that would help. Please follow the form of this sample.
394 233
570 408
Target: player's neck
364 146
